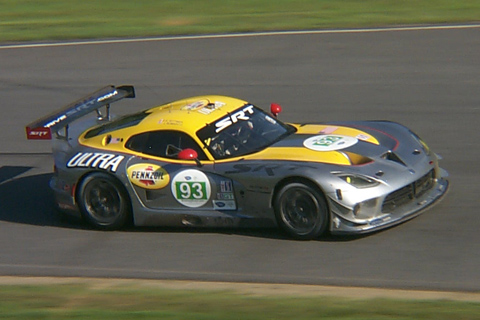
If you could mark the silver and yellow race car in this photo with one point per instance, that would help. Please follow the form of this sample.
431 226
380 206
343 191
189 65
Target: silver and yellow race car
216 161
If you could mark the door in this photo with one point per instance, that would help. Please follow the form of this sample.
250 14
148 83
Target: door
161 181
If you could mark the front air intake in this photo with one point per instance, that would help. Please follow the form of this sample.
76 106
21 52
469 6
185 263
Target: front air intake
409 193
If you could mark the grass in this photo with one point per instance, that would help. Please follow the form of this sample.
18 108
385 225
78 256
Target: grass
36 20
82 301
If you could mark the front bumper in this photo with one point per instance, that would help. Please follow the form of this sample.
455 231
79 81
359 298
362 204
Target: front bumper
404 212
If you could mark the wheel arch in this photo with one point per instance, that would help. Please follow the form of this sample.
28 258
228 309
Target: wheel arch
130 219
300 179
295 181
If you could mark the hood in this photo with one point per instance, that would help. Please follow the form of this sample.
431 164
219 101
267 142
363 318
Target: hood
357 143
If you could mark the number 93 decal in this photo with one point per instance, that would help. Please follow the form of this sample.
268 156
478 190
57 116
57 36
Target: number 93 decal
191 188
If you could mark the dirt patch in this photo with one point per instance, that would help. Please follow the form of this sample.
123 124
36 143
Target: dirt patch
259 289
177 22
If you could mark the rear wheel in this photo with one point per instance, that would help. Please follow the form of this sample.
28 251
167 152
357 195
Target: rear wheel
103 201
301 210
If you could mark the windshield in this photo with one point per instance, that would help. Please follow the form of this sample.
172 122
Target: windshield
246 130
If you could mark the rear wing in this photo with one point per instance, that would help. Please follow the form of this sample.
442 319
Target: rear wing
43 128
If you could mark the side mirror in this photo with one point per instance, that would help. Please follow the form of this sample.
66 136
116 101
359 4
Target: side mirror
275 109
188 154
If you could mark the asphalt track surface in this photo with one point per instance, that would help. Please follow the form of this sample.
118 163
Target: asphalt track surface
428 80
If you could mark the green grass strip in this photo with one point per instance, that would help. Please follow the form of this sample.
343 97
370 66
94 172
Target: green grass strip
27 20
83 301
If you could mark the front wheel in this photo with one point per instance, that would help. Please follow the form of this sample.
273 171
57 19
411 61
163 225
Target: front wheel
103 201
301 210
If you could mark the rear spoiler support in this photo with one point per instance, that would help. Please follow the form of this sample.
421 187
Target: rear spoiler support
43 128
102 117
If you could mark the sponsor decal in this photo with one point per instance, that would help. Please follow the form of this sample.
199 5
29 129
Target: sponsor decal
55 121
39 134
196 105
225 196
209 108
270 119
107 96
105 161
363 137
224 205
148 176
234 118
170 122
330 142
328 130
218 204
191 188
203 106
226 186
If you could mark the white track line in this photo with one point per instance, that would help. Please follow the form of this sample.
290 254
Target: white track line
238 35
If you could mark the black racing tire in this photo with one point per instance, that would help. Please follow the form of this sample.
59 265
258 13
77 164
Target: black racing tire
103 201
301 210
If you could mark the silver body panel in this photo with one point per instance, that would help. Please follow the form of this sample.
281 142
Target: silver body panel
240 193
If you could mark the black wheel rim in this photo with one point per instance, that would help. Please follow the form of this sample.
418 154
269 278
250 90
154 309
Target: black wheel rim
300 210
102 201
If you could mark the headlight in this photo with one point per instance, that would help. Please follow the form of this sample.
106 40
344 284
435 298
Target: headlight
357 181
425 148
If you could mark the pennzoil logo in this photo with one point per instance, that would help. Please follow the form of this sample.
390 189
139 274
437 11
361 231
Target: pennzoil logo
148 176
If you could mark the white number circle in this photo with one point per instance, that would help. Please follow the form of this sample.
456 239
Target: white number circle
330 142
191 188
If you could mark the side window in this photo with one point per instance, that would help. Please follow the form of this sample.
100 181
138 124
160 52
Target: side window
165 144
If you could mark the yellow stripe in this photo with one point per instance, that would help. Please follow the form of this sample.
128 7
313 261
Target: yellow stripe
301 154
332 129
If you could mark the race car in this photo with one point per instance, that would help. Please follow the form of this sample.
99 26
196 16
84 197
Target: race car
217 161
